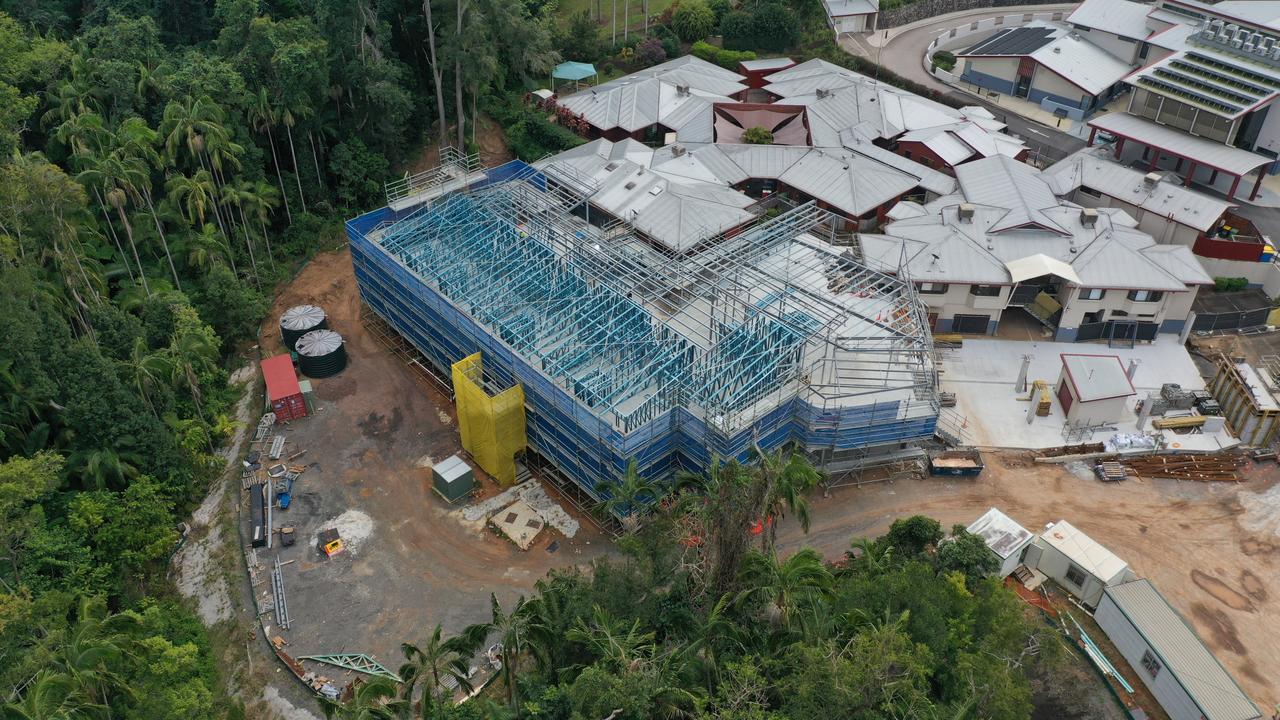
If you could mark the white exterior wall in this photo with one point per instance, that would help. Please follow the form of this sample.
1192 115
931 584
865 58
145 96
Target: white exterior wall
1164 686
1126 51
1048 81
957 301
1005 68
1011 563
1173 306
852 23
1269 135
1257 273
1054 564
1164 230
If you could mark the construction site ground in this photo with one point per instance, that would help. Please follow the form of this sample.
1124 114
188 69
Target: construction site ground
411 561
1211 548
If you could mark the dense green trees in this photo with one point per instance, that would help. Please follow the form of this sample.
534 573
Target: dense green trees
906 626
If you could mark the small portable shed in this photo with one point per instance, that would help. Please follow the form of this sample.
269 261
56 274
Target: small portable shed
284 394
1183 675
1093 389
1005 538
1076 562
452 478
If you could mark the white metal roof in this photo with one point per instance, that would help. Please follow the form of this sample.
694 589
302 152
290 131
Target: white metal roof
767 63
1093 168
840 8
1000 181
1097 377
1182 652
1205 152
1082 63
1002 534
1034 266
1083 551
1117 17
451 468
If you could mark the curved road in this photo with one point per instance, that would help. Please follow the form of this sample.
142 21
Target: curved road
903 53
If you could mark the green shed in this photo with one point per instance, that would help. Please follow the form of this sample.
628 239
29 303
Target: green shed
453 478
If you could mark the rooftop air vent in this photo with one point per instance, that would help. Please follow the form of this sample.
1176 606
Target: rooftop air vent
822 93
682 89
1150 180
656 190
1088 217
630 186
611 167
966 212
1057 49
677 151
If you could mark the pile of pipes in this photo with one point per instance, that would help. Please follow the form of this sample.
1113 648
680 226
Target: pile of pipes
1204 468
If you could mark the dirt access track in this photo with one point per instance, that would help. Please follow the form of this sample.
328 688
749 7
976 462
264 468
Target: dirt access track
1211 548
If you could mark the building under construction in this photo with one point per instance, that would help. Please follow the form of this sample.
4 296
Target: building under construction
626 347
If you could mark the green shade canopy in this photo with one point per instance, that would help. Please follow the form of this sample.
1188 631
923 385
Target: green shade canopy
573 71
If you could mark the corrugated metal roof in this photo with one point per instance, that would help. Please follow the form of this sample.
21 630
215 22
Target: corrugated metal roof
1097 377
1081 62
853 183
281 380
1205 152
1096 170
1002 533
1116 17
839 8
1083 550
1000 181
767 63
1182 652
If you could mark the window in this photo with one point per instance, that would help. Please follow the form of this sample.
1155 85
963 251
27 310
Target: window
1092 293
1151 663
932 288
985 290
1145 295
1075 576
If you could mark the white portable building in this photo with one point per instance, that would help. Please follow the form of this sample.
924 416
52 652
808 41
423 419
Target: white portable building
1185 678
1076 562
1005 538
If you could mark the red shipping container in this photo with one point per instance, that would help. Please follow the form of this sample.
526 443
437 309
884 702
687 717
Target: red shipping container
283 391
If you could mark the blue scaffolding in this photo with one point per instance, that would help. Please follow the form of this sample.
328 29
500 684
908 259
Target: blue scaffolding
626 352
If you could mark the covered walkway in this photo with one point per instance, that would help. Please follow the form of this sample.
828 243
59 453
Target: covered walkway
1197 152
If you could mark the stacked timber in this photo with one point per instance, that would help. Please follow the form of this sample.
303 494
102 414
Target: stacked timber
1204 468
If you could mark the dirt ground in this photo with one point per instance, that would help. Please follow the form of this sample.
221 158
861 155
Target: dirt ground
411 562
493 148
1210 548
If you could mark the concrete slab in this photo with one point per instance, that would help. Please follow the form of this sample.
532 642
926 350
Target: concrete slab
982 374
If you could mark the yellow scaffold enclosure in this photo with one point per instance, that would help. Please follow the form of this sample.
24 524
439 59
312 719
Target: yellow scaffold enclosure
492 427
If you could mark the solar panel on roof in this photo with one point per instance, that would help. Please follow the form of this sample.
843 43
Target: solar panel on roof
1015 41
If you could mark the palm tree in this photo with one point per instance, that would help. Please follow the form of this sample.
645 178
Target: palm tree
234 196
550 619
262 200
102 468
190 353
431 662
119 177
135 139
787 476
148 370
51 696
630 495
511 629
788 585
712 633
201 250
620 645
194 126
69 99
288 118
262 117
374 699
95 646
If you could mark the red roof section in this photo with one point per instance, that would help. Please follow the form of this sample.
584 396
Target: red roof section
282 381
